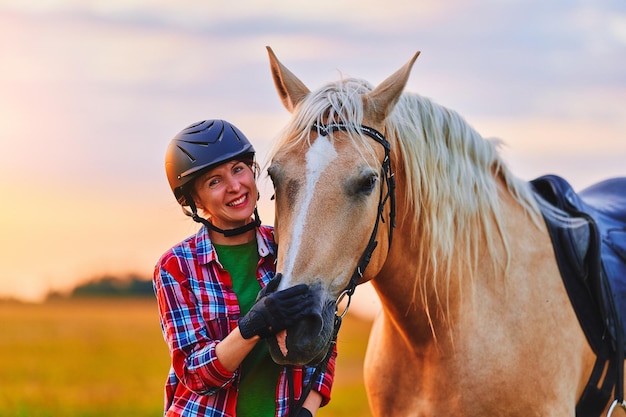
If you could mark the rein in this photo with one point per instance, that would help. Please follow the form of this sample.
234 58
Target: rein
386 173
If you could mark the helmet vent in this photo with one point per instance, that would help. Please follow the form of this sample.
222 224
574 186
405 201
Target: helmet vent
236 134
183 150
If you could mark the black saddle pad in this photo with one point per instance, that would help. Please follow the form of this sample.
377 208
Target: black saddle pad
606 204
588 231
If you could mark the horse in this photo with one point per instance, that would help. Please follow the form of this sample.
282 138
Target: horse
475 319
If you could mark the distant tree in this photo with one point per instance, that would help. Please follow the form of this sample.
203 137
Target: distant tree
109 286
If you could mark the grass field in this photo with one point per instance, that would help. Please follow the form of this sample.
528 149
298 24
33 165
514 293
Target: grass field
106 357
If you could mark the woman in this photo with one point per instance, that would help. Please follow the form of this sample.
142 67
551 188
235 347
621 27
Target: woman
212 289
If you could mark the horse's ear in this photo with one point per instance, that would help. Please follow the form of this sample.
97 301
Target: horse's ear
290 89
381 101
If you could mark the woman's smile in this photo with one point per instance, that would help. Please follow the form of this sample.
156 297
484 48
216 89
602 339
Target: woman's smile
241 201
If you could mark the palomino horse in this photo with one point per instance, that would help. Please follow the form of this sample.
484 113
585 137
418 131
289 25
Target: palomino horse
475 318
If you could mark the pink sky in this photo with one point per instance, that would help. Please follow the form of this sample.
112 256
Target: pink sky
93 91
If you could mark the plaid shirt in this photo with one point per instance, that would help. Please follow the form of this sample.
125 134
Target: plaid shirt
198 308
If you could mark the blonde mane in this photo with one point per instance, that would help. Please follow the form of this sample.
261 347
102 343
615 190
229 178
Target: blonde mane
451 175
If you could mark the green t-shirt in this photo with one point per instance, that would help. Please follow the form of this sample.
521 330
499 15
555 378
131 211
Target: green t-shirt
259 373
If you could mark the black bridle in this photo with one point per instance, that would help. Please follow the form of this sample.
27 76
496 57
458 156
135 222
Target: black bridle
386 173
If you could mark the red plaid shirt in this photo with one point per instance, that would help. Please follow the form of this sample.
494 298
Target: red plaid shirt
198 308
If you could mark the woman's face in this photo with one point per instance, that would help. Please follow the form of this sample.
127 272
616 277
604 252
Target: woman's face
227 194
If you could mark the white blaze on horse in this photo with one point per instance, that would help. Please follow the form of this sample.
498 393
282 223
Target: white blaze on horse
475 320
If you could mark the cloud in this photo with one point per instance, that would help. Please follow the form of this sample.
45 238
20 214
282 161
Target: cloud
93 91
617 27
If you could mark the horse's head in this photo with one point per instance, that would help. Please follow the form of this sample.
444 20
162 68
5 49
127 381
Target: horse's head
334 196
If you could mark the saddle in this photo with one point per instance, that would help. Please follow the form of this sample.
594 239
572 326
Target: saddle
588 233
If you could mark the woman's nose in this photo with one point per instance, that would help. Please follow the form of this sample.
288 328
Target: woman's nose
233 184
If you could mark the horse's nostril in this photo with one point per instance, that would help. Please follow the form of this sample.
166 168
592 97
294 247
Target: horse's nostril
307 330
307 341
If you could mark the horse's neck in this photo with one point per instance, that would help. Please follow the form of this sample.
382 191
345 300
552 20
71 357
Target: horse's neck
421 309
415 313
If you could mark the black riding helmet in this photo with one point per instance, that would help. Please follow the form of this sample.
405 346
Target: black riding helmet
200 147
195 150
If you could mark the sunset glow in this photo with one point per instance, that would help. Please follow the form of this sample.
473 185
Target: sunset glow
93 91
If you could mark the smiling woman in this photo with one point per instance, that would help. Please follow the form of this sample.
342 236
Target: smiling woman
217 292
210 166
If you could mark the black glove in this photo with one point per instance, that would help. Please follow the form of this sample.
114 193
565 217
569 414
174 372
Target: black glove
276 311
304 413
270 287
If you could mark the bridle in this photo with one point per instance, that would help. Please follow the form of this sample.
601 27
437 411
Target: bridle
386 173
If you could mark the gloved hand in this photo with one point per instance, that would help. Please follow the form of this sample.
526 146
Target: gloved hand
277 311
304 413
270 287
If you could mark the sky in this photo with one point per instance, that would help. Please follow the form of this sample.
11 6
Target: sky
91 92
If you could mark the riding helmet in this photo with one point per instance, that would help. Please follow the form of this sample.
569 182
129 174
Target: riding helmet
200 147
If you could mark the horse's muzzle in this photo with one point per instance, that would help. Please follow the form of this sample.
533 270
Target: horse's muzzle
307 342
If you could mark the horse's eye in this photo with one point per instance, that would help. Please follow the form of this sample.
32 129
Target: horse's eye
275 174
366 185
269 174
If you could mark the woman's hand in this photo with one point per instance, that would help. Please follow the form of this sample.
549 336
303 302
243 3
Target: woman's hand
276 311
304 413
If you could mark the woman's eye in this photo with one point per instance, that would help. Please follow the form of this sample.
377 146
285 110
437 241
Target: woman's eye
240 167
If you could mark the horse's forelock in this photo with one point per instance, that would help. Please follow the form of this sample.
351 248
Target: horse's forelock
340 101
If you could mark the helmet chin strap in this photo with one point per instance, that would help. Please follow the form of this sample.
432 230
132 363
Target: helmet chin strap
226 232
